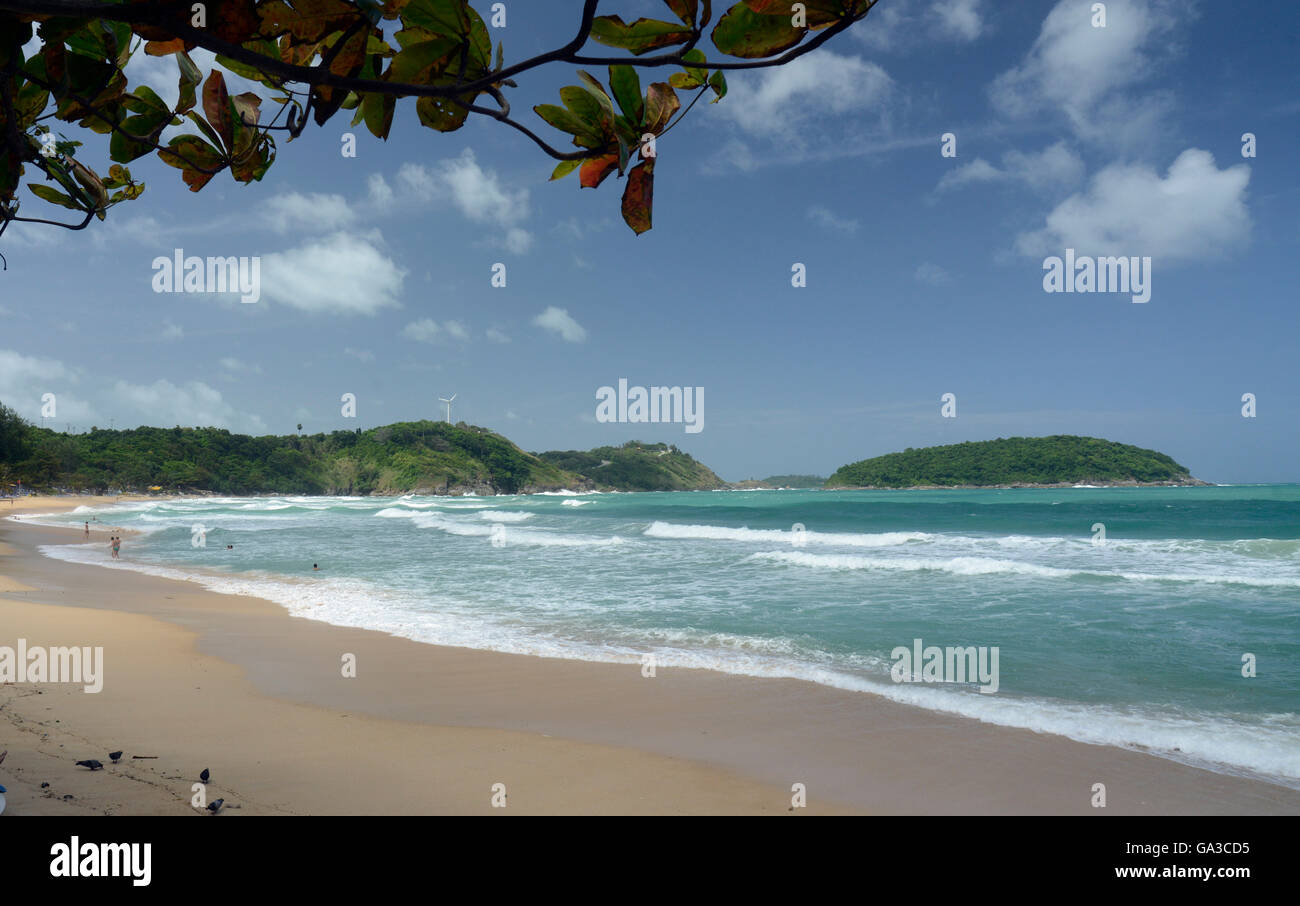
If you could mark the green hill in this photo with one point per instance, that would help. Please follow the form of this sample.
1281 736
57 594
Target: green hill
407 457
424 456
1058 460
637 467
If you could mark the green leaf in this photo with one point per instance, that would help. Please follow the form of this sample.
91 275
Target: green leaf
54 197
641 36
147 127
694 76
718 82
416 63
262 46
623 155
441 114
377 110
564 168
189 151
582 104
567 121
626 85
442 17
597 91
741 32
204 127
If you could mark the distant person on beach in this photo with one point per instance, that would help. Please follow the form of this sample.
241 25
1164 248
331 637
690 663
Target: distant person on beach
315 567
117 544
87 529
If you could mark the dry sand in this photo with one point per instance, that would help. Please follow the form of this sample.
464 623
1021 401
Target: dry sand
236 685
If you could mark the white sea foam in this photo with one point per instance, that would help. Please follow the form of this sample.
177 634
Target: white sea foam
766 536
506 516
980 566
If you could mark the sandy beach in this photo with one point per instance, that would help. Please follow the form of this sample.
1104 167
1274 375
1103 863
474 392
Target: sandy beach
236 685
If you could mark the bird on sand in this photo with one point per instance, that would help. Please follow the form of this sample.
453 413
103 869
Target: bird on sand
215 805
91 763
204 775
115 756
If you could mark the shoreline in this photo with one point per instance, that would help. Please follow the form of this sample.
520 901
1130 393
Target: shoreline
752 738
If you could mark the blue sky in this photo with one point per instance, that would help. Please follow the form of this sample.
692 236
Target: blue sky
924 272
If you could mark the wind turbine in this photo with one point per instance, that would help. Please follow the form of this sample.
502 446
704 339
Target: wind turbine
448 402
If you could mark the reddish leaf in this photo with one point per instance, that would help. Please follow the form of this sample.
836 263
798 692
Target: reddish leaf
638 196
163 48
216 104
685 9
595 169
641 36
661 104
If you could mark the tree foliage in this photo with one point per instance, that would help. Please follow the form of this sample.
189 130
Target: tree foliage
423 456
1060 459
318 57
637 466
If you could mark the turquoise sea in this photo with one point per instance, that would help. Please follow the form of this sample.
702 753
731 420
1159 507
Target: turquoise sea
1137 642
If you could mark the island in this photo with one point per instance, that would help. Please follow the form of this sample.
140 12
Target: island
1062 460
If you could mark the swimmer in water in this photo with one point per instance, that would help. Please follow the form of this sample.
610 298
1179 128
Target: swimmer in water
315 567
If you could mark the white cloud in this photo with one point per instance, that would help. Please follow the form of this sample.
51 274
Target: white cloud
163 403
497 336
1195 211
1082 71
828 220
477 193
427 330
138 228
239 366
343 273
172 331
24 380
933 274
558 321
518 241
810 87
901 24
361 355
960 20
316 212
1055 169
380 192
